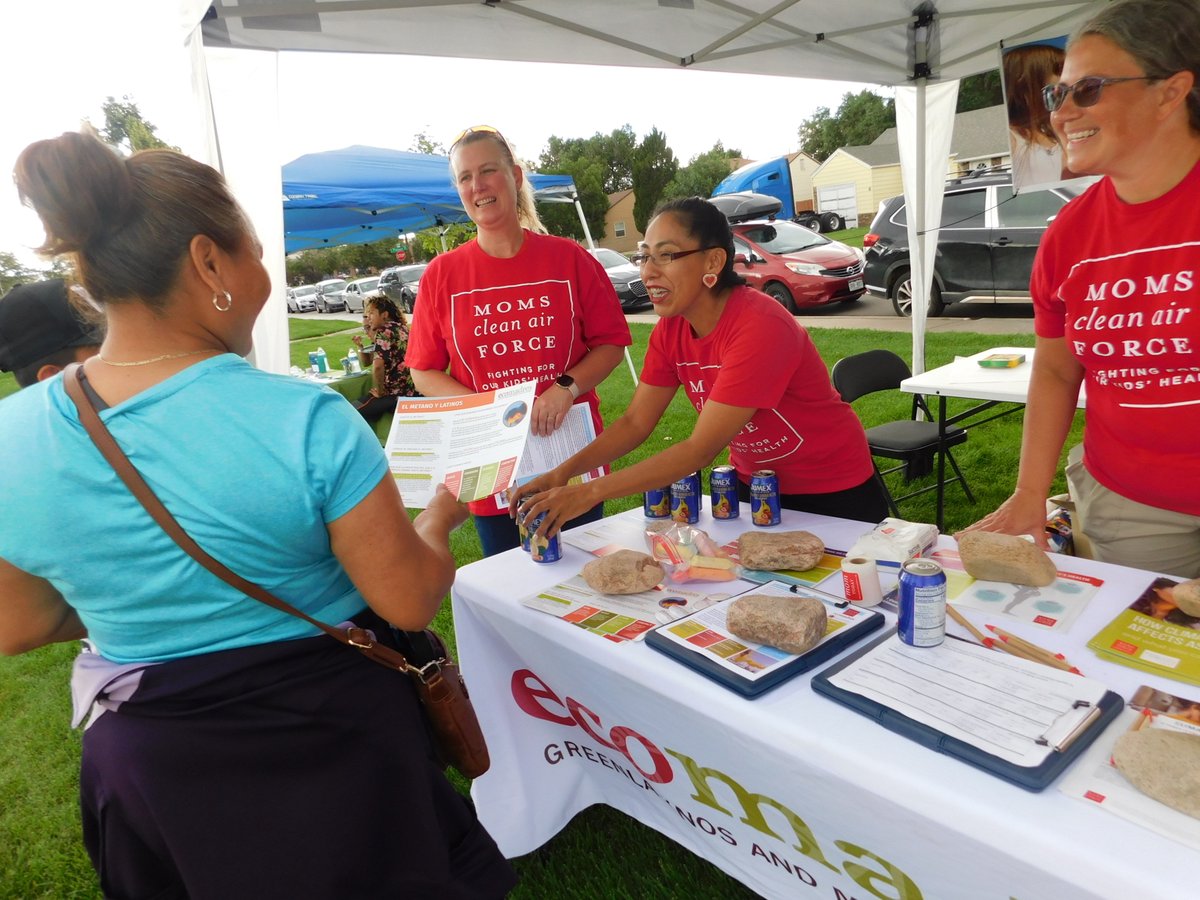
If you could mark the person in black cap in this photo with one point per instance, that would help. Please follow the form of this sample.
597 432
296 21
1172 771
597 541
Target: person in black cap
41 332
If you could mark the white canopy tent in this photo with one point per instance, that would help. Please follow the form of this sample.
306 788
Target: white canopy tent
922 48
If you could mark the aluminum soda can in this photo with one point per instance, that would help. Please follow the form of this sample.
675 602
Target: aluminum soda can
523 533
656 503
543 549
922 621
764 498
685 499
723 485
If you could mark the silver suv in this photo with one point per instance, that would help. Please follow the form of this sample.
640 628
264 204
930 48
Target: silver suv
331 295
986 245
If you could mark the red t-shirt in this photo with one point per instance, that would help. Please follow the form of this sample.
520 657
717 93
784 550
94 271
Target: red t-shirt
496 322
758 356
1121 283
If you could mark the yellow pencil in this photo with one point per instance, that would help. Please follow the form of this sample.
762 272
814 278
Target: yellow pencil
1040 654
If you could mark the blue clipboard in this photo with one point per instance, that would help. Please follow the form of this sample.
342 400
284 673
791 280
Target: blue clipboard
1031 778
698 659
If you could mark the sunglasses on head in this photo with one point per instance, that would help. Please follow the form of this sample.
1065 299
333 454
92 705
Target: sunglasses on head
1086 90
478 129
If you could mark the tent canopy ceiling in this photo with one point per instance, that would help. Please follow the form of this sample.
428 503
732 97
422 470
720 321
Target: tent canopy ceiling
361 194
865 41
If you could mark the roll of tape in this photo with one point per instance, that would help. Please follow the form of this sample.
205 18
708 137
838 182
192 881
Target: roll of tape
860 580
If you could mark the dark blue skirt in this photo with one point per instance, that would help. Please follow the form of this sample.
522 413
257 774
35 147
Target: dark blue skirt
290 770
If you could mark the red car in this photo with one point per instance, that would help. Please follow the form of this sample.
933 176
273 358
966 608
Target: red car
796 266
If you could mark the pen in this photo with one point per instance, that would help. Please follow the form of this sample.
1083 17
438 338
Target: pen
965 623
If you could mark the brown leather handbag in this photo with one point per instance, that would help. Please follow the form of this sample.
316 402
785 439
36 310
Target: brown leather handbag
458 739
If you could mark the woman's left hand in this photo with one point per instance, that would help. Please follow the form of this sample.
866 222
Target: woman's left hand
550 409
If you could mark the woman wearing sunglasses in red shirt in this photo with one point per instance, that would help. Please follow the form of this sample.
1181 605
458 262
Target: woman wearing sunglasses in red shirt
1116 288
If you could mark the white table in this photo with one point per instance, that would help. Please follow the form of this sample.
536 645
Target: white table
965 378
788 789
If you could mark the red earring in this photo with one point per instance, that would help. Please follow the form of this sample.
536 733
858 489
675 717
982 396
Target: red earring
710 280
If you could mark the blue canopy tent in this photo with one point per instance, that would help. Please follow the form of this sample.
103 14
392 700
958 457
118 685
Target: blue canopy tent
360 194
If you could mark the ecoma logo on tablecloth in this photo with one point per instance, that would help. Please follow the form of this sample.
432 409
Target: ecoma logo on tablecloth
535 698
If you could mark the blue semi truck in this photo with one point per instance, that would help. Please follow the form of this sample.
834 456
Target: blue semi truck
773 177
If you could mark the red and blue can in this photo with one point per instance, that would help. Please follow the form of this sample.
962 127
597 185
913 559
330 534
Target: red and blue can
656 503
723 488
686 499
543 549
764 498
922 621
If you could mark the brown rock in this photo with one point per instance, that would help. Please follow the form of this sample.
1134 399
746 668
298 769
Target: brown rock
1162 764
989 556
770 551
623 572
793 624
1187 596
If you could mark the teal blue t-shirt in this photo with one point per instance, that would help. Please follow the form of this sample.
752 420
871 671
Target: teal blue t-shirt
252 465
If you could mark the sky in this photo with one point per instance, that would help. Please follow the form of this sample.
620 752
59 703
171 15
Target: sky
328 101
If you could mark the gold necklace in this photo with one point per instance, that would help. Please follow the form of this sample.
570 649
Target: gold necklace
154 359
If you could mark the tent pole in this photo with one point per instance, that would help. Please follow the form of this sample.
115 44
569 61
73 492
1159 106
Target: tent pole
587 232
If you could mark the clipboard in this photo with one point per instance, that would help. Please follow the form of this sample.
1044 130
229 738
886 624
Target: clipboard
1067 746
859 622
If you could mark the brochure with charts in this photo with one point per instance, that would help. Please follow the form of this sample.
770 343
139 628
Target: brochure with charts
1153 634
623 617
703 641
1056 605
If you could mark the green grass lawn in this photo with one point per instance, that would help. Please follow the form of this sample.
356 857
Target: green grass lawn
602 853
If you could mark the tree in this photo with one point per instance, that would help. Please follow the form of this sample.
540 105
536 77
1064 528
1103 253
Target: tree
594 165
860 119
125 128
654 166
703 173
979 91
13 272
422 143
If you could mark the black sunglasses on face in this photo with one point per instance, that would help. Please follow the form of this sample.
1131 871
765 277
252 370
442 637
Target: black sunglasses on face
1086 90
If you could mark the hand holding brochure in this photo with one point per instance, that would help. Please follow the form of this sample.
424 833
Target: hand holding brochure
472 443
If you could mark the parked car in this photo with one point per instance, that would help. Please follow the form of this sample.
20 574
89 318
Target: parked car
302 299
356 290
331 295
986 245
626 279
796 266
401 284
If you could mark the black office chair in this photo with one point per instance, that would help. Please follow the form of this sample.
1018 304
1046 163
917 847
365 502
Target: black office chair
914 443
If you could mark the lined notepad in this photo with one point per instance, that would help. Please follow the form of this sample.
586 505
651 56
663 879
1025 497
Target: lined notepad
1014 709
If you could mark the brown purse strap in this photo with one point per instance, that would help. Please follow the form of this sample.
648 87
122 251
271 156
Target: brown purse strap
358 638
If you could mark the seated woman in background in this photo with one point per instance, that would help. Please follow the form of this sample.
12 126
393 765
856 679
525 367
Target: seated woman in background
386 325
753 374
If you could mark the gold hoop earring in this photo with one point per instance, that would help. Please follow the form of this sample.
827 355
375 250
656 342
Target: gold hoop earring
710 280
217 295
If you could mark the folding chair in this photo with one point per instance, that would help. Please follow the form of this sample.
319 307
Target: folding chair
914 443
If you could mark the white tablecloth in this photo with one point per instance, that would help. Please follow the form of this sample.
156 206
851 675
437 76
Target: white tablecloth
791 793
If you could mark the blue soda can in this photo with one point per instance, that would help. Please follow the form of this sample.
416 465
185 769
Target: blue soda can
543 549
764 498
656 503
685 499
723 488
922 621
524 534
